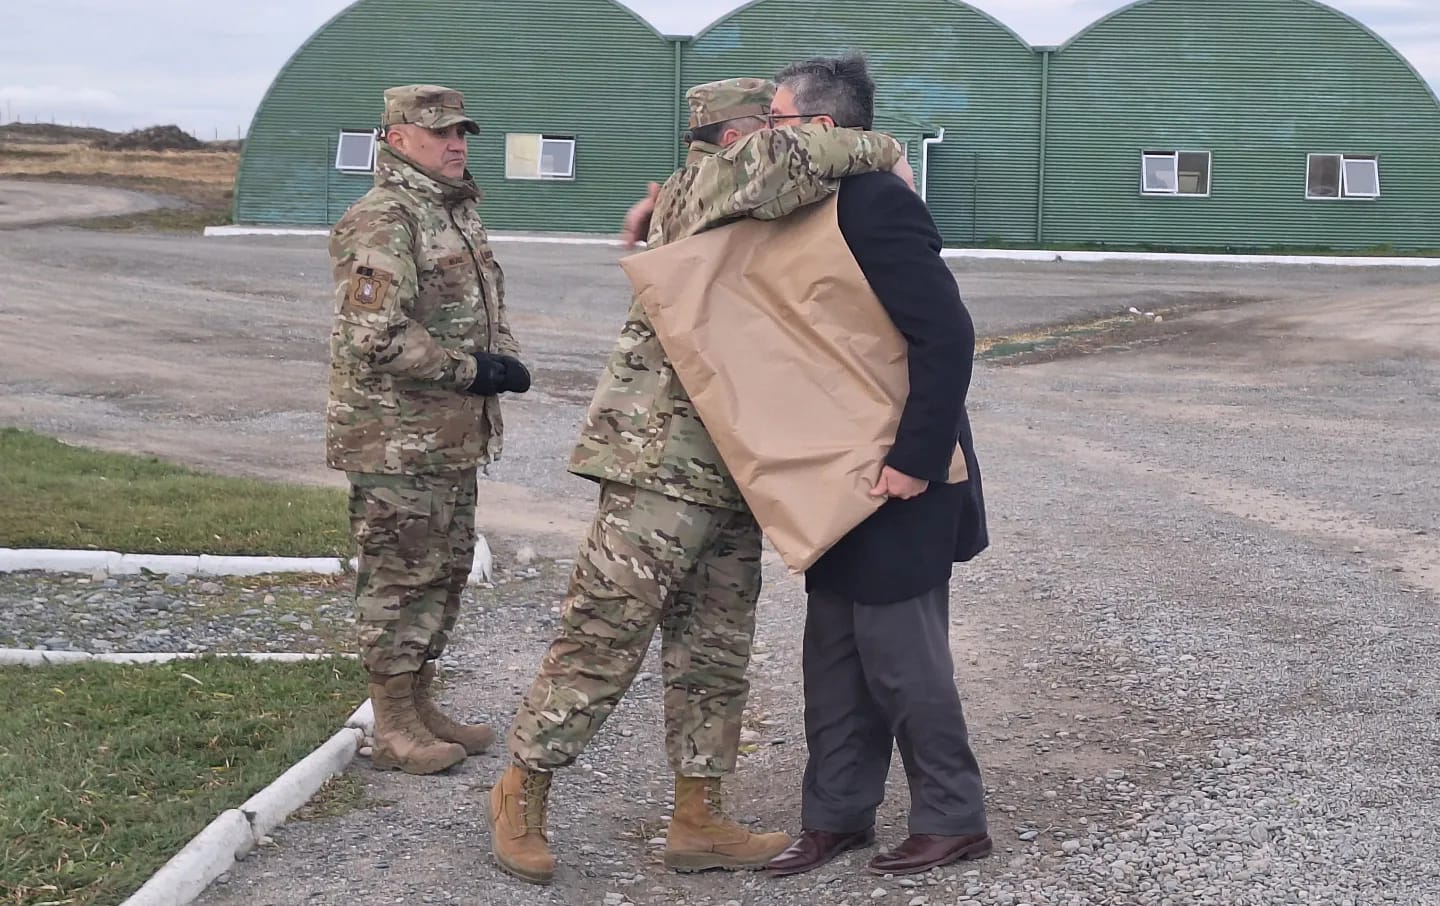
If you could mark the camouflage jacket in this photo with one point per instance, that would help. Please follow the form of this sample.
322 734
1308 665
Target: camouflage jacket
417 290
641 428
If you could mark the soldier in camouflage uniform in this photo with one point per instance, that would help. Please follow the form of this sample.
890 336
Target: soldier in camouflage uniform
418 357
673 544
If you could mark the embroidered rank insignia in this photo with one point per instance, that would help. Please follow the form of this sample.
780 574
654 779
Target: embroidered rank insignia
368 288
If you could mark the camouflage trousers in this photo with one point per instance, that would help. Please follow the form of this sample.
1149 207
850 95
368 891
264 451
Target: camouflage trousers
651 561
416 540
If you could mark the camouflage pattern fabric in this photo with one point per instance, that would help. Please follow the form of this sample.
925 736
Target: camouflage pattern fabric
417 291
692 571
673 544
431 106
641 428
729 99
416 540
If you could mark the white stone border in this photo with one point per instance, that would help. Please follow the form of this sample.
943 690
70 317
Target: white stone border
31 657
961 253
235 832
117 564
1179 257
232 835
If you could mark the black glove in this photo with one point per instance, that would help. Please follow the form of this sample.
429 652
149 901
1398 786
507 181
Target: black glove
499 374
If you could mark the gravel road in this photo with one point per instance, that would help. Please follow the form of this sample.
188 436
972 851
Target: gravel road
1198 662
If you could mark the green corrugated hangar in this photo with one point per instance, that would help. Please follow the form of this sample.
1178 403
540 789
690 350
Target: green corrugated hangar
1183 124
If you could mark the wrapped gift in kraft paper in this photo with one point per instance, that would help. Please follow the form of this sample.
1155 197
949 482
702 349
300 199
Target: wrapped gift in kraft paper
793 365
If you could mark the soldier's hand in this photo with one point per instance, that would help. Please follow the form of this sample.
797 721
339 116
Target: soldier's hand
637 219
499 374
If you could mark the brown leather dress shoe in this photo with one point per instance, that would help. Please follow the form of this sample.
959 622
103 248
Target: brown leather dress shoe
815 848
922 852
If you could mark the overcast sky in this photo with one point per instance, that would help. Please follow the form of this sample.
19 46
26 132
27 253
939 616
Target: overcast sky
123 64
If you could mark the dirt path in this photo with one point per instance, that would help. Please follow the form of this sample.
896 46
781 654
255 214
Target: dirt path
29 203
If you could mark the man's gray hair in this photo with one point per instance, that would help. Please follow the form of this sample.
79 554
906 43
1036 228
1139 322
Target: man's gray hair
838 87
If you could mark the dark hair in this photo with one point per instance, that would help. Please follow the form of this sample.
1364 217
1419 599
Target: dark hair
838 87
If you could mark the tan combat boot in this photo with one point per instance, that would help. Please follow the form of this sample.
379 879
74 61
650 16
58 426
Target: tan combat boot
476 738
401 740
517 825
701 837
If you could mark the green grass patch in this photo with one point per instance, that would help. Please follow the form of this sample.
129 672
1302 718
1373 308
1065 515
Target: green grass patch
55 495
1049 338
161 220
108 770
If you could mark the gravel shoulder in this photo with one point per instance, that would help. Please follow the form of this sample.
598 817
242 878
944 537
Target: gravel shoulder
1198 662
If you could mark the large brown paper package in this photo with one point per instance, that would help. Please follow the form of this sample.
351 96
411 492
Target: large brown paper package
793 365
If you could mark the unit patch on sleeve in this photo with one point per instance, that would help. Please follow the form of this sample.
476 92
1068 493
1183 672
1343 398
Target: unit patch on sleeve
368 288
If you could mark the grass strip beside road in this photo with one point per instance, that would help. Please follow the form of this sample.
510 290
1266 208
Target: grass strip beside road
55 495
109 770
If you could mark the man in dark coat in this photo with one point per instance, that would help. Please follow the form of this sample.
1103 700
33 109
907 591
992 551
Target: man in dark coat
877 664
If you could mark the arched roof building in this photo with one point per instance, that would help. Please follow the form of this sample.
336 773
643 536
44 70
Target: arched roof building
1170 123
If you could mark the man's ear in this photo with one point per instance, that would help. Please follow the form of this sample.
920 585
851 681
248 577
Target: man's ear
730 137
824 118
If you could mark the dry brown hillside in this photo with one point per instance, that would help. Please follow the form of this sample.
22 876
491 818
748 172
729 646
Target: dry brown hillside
164 160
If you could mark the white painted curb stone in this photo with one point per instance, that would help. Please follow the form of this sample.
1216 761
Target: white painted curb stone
232 835
29 657
1184 258
207 856
996 254
269 808
117 564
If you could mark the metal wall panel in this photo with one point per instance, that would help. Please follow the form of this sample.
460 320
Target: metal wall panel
584 68
1260 84
936 62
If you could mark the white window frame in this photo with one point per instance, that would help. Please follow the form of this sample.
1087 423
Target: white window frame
1344 193
340 147
1174 158
540 173
557 140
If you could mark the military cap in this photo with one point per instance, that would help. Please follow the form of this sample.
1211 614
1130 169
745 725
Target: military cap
716 102
431 106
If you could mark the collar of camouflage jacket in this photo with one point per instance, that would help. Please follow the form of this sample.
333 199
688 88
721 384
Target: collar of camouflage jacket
699 151
396 171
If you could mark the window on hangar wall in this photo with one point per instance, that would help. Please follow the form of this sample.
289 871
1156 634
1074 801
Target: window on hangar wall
1334 176
355 152
530 156
1175 173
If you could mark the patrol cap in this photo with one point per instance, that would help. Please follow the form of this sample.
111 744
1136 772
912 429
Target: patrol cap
716 102
431 106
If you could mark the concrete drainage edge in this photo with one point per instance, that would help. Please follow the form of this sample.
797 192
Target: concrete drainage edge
232 835
237 831
117 564
30 657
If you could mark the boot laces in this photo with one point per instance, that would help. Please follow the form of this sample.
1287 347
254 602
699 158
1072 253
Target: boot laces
534 791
